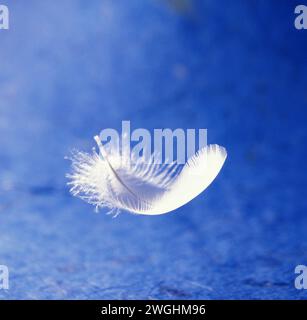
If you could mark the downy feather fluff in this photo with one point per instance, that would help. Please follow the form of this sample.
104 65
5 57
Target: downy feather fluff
107 179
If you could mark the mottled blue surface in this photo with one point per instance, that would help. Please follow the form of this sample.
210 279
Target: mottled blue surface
70 68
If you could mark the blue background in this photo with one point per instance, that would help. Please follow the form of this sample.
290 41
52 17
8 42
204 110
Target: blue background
70 68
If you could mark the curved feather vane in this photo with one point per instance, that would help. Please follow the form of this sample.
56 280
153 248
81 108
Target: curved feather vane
110 180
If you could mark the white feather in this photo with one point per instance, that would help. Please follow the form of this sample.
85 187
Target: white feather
109 180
